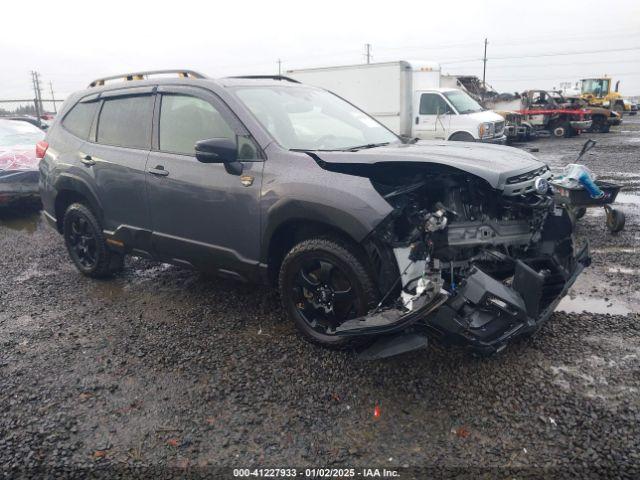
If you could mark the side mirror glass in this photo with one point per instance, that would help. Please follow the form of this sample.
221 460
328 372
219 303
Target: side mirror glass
217 150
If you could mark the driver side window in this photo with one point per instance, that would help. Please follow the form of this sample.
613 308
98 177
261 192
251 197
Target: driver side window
433 104
185 120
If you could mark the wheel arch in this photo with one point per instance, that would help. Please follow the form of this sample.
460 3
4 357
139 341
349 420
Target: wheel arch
287 233
71 189
462 133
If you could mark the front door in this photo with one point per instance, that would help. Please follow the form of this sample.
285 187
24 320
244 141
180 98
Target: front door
432 116
203 214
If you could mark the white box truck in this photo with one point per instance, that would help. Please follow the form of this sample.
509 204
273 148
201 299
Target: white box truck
407 97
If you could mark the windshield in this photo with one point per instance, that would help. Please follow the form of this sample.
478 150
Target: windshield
462 102
596 86
303 118
18 133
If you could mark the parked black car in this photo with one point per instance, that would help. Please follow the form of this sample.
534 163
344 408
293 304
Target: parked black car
265 179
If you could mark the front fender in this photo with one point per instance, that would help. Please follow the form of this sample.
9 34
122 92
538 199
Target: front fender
290 210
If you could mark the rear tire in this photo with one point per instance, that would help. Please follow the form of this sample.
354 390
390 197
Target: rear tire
322 283
86 243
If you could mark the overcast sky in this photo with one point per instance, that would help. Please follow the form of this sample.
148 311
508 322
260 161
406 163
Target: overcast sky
70 43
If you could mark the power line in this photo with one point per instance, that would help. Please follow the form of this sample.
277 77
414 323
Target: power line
564 64
544 55
519 79
517 41
432 47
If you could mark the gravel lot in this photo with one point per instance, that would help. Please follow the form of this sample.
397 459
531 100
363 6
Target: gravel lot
162 367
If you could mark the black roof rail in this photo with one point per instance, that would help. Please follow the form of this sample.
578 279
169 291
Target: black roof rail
267 77
146 74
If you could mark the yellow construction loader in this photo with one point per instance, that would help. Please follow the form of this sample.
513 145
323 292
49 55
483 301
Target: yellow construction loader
598 92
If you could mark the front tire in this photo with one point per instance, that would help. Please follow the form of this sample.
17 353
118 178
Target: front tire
323 282
86 243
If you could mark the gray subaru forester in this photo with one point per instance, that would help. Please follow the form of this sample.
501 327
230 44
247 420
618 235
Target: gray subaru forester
373 241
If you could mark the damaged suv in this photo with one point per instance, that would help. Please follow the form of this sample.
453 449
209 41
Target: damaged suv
371 239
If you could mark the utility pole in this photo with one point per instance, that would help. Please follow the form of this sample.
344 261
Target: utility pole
53 99
367 52
38 87
36 91
484 70
279 67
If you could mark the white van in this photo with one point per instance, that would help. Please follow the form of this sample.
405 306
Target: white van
407 97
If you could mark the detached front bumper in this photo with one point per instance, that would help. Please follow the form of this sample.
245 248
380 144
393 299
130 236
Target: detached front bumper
484 314
487 314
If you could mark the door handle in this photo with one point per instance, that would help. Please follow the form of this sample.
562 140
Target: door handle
417 120
159 170
88 161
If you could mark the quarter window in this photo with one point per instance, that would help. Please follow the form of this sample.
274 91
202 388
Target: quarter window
433 104
185 120
78 120
126 122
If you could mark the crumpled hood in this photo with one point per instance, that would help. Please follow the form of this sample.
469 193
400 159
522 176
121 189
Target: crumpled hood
493 163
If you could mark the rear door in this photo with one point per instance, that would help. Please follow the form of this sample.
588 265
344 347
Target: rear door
203 214
432 117
116 154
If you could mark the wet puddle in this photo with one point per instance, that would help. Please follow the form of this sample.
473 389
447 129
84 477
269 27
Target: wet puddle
584 304
628 198
614 250
20 221
623 270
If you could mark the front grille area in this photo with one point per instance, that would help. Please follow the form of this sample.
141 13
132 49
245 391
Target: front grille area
526 176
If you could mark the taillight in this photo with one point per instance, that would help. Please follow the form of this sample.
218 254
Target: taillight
41 149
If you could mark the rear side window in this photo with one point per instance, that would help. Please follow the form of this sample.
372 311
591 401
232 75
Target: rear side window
126 122
78 120
185 120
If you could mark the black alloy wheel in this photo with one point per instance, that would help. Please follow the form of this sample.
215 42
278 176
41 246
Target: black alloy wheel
86 243
82 242
323 294
323 283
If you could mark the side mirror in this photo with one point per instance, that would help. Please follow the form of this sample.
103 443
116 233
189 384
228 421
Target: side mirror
217 150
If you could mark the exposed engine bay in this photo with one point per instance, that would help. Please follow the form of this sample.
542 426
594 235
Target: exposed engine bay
473 265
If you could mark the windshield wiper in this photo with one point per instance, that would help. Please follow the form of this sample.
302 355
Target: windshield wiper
368 145
348 149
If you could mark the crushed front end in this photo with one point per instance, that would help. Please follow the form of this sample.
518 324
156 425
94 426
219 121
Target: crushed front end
464 262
